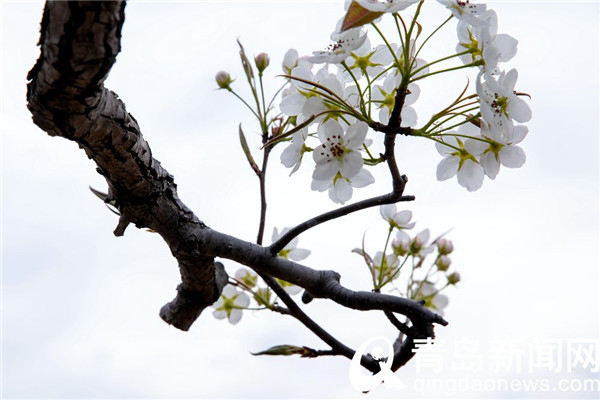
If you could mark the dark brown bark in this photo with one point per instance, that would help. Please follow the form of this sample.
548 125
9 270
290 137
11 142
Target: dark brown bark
79 43
66 96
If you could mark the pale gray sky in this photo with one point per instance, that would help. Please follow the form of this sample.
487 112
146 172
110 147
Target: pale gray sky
80 307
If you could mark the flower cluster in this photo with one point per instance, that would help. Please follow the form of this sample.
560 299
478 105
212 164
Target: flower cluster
409 254
472 153
337 97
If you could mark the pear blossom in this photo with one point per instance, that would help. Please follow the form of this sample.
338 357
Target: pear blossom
433 300
465 11
299 100
387 266
385 98
290 251
344 43
486 45
460 160
291 61
230 304
499 103
502 150
396 219
417 246
338 152
246 277
291 156
386 6
401 243
368 60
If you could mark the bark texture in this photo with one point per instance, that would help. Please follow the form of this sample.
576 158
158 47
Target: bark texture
79 43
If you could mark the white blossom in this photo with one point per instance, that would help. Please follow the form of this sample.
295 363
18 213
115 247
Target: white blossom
291 250
386 6
397 219
291 156
230 304
465 11
499 103
340 49
460 160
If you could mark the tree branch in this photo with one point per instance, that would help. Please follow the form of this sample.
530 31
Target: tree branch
79 44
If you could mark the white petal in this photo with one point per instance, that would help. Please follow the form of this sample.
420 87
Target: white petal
362 179
320 186
512 156
506 45
351 164
229 291
355 135
402 218
220 314
387 211
298 254
518 109
470 175
491 166
235 316
519 133
242 300
341 191
409 116
447 168
292 104
290 156
326 171
328 129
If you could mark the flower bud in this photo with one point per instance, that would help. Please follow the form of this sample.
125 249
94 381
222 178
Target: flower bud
416 245
453 278
223 79
444 246
400 247
443 263
262 61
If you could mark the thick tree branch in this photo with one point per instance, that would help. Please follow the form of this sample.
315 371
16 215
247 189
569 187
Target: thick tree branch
79 44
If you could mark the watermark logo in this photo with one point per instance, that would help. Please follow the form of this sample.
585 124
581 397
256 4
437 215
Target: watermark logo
381 349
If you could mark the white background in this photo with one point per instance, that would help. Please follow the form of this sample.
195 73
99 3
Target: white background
80 307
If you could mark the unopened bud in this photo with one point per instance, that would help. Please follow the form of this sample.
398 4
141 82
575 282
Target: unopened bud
453 278
416 245
261 61
223 79
445 246
443 263
400 247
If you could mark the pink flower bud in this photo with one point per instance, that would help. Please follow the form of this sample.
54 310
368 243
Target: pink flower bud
261 61
223 79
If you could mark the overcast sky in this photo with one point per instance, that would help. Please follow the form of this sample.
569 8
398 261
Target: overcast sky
80 306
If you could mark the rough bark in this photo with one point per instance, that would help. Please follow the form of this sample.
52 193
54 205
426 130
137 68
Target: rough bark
79 43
